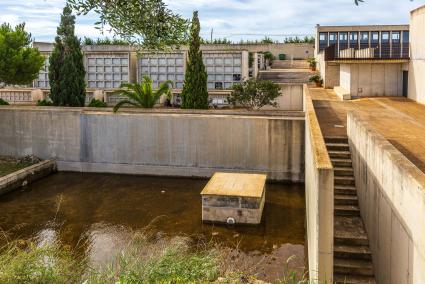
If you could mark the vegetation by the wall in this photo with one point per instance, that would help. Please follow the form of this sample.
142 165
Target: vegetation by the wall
3 102
195 90
104 41
142 95
44 103
66 68
254 94
97 103
19 62
306 39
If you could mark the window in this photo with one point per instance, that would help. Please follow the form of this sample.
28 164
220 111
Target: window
364 37
385 37
405 36
332 37
323 37
343 36
375 37
395 37
354 36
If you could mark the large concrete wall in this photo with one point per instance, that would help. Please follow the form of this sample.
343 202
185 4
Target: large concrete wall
319 194
391 194
178 143
329 71
417 55
372 79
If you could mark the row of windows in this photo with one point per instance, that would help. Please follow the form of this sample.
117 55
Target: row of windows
363 38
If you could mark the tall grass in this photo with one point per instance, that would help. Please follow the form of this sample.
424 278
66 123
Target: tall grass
143 260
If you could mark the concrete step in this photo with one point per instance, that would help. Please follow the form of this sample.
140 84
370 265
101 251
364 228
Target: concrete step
341 199
342 163
338 147
346 210
353 279
344 180
343 171
345 189
340 155
336 139
349 231
352 252
353 267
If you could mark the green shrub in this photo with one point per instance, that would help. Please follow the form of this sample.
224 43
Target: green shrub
44 103
315 78
254 94
97 103
3 102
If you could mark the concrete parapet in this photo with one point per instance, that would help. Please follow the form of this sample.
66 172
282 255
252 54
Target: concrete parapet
26 176
391 194
319 192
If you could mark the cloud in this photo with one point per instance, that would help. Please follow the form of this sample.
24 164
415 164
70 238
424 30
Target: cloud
234 19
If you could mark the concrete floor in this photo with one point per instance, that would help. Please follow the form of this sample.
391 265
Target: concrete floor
399 120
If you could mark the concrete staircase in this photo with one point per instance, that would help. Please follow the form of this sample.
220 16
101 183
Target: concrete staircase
352 256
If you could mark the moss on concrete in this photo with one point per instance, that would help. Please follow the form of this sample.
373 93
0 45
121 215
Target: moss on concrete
9 165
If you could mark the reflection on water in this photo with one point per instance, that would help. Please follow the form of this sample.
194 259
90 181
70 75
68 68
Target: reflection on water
97 213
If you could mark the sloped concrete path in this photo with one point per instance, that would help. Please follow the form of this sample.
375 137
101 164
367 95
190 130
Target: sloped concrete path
401 121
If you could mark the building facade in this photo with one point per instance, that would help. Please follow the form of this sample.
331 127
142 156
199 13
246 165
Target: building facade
364 60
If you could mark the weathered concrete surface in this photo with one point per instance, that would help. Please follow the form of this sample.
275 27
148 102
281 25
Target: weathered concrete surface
417 55
391 193
401 121
372 79
329 71
175 143
26 176
319 188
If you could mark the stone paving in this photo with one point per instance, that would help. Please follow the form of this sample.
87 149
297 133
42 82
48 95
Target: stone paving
400 120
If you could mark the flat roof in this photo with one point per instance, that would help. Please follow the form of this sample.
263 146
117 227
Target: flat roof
236 184
362 28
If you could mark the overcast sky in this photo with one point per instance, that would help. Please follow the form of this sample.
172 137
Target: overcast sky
233 19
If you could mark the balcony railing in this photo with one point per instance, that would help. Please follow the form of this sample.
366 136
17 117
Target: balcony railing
378 52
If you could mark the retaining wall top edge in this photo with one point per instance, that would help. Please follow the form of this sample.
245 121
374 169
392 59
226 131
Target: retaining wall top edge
320 152
299 115
400 160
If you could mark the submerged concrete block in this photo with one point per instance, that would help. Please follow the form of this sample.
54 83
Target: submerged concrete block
234 198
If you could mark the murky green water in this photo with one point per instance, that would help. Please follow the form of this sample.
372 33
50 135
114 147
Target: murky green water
96 212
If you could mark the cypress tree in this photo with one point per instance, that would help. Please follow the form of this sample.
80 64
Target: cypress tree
195 92
66 68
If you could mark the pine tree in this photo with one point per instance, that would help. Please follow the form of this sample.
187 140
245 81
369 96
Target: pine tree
66 68
195 92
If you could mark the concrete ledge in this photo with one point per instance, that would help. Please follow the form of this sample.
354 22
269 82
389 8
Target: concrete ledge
342 93
319 192
391 192
26 176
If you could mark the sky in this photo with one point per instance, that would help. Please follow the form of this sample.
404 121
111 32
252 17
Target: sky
231 19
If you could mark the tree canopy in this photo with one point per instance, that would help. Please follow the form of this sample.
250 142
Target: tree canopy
19 62
147 23
195 90
66 68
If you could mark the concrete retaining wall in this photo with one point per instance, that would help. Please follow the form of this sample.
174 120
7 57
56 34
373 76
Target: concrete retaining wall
417 55
179 143
319 191
392 201
26 176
